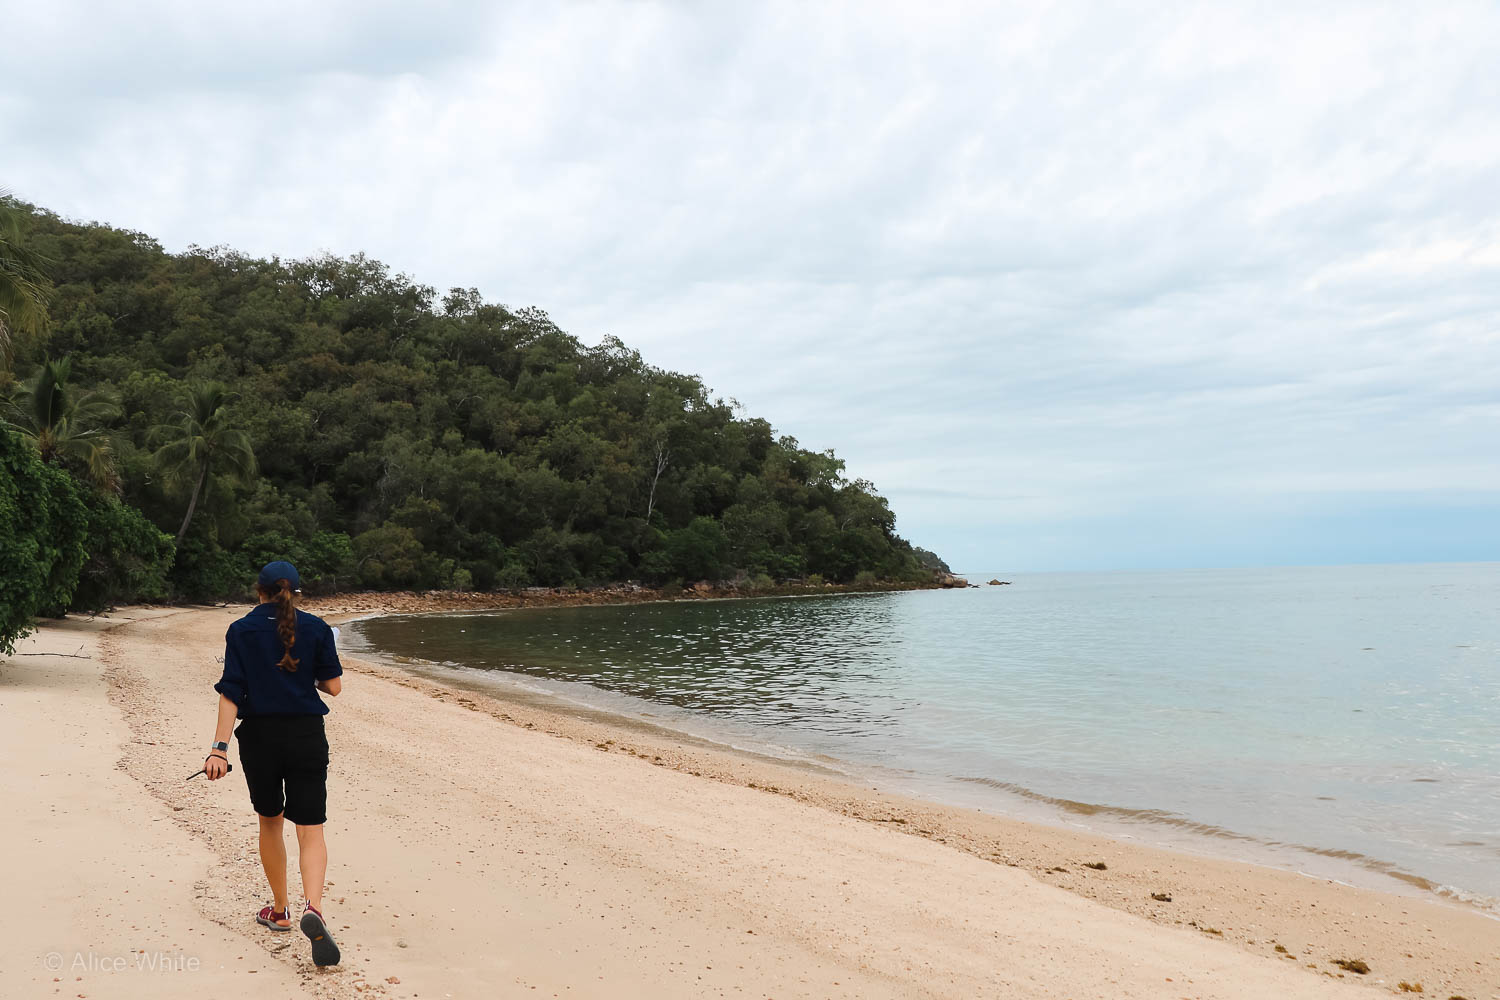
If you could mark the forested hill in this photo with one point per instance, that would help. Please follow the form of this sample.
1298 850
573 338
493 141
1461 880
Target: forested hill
404 438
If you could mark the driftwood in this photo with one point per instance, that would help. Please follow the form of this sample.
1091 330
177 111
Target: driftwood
71 656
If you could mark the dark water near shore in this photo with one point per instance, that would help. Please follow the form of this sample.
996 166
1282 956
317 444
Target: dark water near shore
1320 713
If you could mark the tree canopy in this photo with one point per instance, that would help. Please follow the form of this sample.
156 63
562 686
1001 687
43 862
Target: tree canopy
41 548
23 281
401 438
64 425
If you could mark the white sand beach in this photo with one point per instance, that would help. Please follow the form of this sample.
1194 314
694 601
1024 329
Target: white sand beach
484 848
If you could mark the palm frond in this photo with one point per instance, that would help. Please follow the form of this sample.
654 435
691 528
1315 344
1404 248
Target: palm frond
64 426
201 437
237 454
24 286
91 449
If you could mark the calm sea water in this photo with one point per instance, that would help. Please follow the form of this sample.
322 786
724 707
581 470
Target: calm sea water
1310 717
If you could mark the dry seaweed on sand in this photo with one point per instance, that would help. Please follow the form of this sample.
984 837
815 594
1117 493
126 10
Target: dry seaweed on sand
1352 965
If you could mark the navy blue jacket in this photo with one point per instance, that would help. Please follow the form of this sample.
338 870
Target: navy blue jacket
254 682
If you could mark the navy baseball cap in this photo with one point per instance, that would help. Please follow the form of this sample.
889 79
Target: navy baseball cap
279 570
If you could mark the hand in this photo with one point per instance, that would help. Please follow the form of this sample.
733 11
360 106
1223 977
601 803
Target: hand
214 766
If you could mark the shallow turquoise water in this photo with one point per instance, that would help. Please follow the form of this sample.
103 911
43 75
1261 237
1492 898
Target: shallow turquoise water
1346 710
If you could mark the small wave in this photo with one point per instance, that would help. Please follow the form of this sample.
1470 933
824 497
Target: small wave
1176 821
1158 816
1487 904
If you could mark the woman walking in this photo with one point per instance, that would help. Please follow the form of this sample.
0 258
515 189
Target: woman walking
276 660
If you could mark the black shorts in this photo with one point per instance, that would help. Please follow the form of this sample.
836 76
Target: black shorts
285 760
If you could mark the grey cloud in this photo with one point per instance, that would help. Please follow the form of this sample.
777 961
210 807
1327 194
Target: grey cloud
1069 268
143 51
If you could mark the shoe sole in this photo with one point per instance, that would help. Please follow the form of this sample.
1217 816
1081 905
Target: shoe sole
272 924
324 951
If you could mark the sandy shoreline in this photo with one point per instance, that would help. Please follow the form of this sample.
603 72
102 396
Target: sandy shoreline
1151 827
483 845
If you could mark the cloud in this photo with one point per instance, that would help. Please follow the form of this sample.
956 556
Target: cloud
1041 274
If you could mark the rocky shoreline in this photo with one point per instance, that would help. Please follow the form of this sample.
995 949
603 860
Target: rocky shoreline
412 602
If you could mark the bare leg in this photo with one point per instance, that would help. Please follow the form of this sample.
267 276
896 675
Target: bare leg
312 854
273 860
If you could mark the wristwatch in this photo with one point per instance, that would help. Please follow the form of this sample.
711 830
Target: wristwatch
220 746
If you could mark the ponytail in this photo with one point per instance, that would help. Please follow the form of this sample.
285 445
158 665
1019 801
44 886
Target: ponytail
286 622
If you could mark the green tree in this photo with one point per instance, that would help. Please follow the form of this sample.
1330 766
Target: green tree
200 441
24 287
65 425
930 560
391 556
128 556
42 529
404 437
697 551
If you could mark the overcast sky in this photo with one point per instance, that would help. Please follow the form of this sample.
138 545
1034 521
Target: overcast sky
1079 286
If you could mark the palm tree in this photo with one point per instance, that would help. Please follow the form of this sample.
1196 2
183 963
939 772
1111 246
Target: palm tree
23 283
64 425
200 441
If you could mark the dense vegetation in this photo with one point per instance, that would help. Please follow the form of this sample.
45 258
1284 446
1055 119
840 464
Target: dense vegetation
67 544
381 435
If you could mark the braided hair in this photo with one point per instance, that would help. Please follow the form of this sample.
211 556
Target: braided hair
286 621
